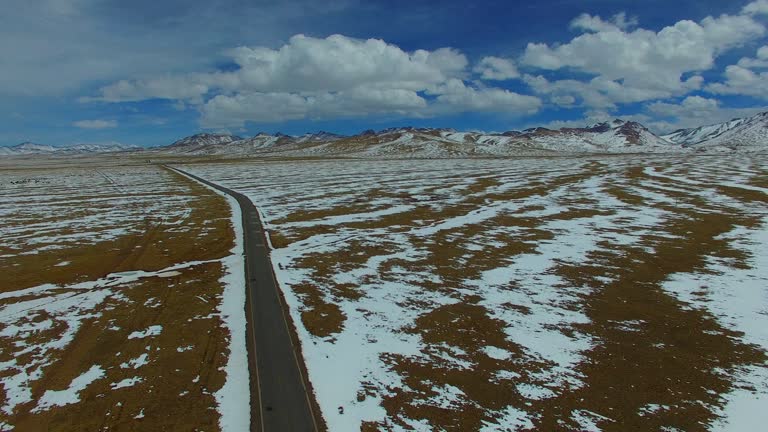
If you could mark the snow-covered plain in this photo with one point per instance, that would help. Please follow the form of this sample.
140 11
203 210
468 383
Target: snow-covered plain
56 209
101 276
553 293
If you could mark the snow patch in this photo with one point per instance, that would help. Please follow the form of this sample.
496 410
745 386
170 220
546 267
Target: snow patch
54 398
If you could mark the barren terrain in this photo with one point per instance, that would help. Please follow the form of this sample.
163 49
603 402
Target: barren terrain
595 293
121 302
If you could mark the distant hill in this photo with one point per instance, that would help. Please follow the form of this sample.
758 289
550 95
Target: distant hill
748 135
742 135
195 143
611 137
30 148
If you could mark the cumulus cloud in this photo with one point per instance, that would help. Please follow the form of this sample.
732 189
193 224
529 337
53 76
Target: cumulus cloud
756 8
337 76
638 65
185 88
693 111
600 92
742 79
760 62
95 124
696 106
496 69
306 64
235 110
591 23
456 96
452 97
340 63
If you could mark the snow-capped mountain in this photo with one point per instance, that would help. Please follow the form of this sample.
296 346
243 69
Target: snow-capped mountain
617 136
613 137
689 137
219 144
321 136
197 143
749 136
29 148
96 148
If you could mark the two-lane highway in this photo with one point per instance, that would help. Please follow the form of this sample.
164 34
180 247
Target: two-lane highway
280 398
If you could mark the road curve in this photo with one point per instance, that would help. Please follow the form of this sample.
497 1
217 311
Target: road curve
282 401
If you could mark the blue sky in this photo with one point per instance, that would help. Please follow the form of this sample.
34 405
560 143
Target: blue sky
148 72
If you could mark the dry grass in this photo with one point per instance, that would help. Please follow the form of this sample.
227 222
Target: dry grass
185 361
674 355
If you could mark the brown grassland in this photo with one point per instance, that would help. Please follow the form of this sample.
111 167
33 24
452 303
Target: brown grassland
182 365
677 358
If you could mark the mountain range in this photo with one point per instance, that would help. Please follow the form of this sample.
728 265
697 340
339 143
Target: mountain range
30 148
746 135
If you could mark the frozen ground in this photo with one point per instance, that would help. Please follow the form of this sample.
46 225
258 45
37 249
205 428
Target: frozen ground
615 293
48 210
121 302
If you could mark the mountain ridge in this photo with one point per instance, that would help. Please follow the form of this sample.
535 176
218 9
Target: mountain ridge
611 137
31 148
616 136
693 136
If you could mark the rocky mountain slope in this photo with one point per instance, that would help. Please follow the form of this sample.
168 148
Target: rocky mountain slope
617 136
688 137
196 144
747 135
750 137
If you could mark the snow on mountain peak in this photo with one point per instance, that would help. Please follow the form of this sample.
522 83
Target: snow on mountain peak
613 136
203 139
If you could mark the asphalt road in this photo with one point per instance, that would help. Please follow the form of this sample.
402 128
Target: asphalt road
280 400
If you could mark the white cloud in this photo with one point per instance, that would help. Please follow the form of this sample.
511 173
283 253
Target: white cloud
337 76
95 124
756 8
235 110
600 92
741 79
693 111
591 23
306 64
185 88
455 96
232 111
496 69
306 77
452 97
591 117
760 62
638 65
564 100
340 63
695 106
65 47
